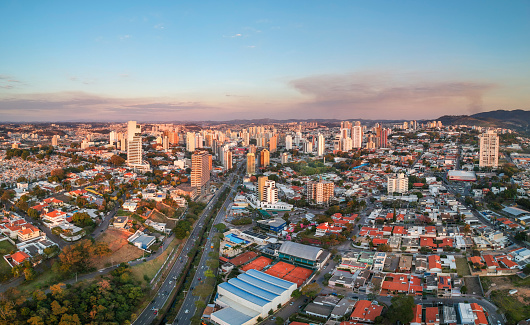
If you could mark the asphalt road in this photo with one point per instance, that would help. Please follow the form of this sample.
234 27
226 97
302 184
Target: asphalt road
187 310
149 313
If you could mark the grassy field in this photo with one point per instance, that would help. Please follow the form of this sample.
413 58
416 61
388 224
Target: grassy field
118 244
462 267
512 307
150 268
5 270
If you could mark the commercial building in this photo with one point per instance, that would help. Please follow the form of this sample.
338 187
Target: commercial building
249 296
304 255
320 192
489 149
200 170
397 183
272 225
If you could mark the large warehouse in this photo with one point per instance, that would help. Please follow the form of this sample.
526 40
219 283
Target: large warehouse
249 296
303 255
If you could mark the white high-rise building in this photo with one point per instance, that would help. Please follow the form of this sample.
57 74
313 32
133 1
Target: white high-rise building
346 144
308 146
288 142
55 141
357 135
489 149
165 143
321 145
270 192
284 158
190 142
112 137
397 183
134 144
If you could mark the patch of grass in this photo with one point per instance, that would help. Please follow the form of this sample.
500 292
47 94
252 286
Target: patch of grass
512 308
6 247
462 267
42 281
5 270
518 282
122 213
151 267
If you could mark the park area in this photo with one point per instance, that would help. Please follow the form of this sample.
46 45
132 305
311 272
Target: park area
516 307
122 251
5 270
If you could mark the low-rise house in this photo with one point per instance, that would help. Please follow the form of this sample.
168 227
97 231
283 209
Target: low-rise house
365 311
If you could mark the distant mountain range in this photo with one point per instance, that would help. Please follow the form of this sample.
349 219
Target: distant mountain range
516 119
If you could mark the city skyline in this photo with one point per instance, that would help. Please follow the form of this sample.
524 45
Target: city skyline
223 61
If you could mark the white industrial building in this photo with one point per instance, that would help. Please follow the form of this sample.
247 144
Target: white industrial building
250 296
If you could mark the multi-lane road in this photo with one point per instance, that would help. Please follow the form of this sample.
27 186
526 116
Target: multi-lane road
161 297
187 310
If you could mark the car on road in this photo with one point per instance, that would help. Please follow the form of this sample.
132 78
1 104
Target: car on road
199 279
187 311
292 303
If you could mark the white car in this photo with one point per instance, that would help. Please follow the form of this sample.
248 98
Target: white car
187 311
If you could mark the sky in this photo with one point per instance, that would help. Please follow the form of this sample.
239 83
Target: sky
224 60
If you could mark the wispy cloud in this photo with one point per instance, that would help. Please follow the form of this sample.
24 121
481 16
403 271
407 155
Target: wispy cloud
159 26
8 82
125 37
84 81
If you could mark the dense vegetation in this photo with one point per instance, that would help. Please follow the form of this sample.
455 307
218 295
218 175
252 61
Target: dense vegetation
110 300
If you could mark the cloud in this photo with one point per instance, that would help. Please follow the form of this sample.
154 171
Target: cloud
8 82
159 26
68 106
391 95
125 37
233 36
84 81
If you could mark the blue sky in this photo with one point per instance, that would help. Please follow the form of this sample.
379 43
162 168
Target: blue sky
202 60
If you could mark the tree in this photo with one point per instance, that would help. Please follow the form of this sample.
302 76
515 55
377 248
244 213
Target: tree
401 309
35 320
279 320
297 294
463 290
467 229
221 227
311 290
32 213
117 160
200 304
271 312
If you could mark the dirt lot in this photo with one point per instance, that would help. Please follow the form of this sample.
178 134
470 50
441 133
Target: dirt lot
473 285
507 283
160 217
121 250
